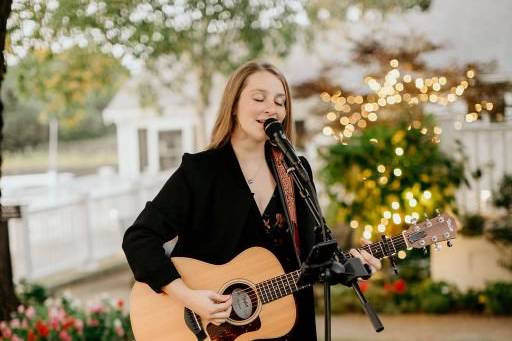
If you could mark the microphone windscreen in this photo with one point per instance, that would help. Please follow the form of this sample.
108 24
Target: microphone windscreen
272 126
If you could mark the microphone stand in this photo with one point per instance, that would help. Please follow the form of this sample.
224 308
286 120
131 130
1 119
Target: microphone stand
342 271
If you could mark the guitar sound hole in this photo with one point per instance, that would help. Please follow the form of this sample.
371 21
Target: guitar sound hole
245 301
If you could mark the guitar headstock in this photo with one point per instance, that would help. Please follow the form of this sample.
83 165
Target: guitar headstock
431 231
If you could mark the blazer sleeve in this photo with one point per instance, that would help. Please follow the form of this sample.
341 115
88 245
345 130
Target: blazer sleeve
162 219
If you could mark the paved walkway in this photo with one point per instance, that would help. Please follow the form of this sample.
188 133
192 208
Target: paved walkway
350 327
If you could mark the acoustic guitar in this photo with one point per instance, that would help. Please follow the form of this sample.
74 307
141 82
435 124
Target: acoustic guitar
263 304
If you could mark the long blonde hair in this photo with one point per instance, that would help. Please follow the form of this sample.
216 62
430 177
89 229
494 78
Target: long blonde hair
226 121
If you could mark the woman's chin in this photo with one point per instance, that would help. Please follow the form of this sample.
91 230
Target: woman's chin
258 138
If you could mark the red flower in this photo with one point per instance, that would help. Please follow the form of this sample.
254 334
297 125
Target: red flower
68 322
31 336
363 285
399 286
64 336
120 303
42 329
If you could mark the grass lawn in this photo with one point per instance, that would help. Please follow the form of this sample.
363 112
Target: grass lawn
80 157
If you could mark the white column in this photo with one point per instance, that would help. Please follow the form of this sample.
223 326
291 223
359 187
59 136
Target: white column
153 152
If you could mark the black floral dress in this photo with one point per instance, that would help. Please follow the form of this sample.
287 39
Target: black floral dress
270 230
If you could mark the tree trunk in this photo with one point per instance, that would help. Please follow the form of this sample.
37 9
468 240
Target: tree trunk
8 299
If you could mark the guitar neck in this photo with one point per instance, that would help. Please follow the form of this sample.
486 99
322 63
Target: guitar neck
286 284
383 249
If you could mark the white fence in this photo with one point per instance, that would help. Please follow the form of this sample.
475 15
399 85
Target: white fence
488 147
77 232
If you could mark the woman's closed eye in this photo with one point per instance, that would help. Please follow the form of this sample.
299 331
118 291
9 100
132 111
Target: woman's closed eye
261 100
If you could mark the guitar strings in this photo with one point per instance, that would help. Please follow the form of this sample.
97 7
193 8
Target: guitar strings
279 284
396 241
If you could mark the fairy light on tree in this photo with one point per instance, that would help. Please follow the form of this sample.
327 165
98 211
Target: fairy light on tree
403 85
394 90
382 184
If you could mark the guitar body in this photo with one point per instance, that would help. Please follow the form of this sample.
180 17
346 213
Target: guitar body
158 317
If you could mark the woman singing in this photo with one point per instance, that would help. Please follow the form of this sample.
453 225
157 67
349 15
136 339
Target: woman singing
226 199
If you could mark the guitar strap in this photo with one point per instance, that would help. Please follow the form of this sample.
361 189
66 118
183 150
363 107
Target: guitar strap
286 183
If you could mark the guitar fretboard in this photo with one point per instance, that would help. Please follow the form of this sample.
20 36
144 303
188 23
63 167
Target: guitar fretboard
280 286
378 249
286 284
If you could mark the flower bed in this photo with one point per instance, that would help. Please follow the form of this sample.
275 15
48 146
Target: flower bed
65 319
426 296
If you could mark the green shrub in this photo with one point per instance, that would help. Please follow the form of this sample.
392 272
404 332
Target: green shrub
435 297
472 225
31 293
498 298
471 301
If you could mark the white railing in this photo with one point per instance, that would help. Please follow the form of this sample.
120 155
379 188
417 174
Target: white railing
77 232
488 147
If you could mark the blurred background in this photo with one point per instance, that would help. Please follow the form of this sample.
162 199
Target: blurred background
403 107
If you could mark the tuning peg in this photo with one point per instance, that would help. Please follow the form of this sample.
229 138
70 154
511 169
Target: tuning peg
437 246
427 220
449 243
425 250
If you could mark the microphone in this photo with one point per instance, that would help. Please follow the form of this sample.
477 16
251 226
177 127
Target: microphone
275 131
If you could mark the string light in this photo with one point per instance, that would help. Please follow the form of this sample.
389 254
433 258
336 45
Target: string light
327 131
391 91
331 116
396 218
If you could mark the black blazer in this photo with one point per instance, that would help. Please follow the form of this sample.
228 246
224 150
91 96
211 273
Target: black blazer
205 203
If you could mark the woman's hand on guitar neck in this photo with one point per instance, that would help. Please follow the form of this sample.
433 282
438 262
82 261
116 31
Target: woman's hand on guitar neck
211 306
367 258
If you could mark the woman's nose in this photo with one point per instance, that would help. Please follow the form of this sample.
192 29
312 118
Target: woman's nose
271 109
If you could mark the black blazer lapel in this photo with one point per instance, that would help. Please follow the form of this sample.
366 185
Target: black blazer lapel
232 196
